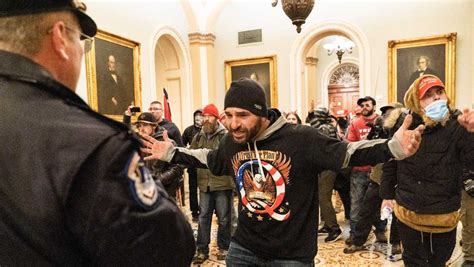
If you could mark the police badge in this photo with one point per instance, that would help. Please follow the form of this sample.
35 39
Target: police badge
142 186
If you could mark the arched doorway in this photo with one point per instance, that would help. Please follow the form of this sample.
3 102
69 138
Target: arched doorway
304 43
171 69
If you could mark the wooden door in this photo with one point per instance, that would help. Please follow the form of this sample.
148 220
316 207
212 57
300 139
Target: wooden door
343 96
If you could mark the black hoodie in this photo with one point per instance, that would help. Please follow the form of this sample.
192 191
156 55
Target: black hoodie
279 211
191 130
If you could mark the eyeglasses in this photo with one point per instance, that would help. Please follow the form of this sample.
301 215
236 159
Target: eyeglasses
83 36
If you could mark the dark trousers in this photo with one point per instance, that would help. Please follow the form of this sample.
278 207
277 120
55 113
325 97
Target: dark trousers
359 185
343 188
193 198
325 186
426 249
370 215
239 256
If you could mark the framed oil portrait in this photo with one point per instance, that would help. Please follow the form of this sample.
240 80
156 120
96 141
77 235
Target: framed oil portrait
411 58
113 74
261 69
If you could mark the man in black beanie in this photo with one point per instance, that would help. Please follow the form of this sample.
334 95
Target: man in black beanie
274 164
247 94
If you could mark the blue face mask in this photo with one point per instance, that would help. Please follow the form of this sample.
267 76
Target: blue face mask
437 110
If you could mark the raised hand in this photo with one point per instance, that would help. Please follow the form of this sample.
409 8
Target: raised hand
466 119
157 149
128 112
409 139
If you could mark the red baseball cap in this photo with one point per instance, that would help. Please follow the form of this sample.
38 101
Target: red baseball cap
427 83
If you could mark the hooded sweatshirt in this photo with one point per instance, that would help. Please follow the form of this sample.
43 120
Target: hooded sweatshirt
275 179
191 130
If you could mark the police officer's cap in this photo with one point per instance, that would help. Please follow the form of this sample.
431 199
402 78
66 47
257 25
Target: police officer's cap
24 7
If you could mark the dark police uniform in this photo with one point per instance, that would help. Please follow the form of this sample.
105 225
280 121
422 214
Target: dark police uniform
72 187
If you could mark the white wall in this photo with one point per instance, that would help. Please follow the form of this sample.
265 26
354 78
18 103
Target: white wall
278 34
380 21
139 21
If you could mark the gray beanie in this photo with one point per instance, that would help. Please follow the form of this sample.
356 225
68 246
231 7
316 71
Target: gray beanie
246 94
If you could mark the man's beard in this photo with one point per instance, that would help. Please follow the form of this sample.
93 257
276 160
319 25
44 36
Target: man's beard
369 113
209 128
249 134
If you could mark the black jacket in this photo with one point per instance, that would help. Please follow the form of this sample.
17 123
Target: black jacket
70 180
170 175
279 213
189 134
173 131
191 130
429 182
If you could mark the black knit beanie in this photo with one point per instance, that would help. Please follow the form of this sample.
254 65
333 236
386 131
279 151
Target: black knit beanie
246 94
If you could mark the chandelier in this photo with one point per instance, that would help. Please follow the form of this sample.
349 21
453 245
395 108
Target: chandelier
340 45
296 10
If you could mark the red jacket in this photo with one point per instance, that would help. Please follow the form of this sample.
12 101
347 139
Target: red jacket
358 130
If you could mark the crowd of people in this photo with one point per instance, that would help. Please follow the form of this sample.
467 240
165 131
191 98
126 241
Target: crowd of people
428 193
79 188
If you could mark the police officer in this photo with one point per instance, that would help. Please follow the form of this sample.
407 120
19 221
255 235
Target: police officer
72 190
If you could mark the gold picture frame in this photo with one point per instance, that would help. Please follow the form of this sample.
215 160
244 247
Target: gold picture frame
405 57
261 69
112 89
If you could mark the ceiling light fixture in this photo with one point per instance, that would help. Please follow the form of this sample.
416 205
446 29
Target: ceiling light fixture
296 10
340 45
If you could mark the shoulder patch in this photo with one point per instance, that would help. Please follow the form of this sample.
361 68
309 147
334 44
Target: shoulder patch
141 183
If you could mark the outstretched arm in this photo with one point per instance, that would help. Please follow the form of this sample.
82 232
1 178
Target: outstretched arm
406 142
167 152
160 150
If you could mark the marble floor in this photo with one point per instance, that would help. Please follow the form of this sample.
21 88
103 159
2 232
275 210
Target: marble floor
330 254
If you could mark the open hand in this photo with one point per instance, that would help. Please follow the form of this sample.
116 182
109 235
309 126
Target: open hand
409 139
466 119
157 149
